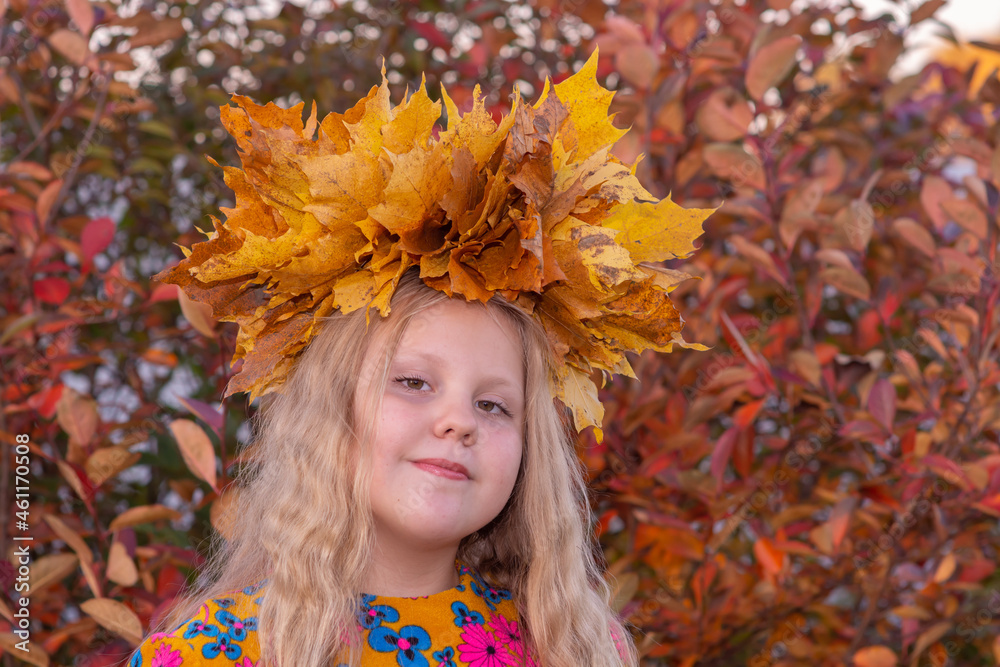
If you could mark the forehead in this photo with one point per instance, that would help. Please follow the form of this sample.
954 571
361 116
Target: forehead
464 328
455 333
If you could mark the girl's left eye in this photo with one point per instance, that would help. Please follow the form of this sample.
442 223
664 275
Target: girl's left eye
493 407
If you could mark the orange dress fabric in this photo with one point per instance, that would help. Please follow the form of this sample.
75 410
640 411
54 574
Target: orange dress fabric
470 625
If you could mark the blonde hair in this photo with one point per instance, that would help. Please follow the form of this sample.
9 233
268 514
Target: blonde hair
304 517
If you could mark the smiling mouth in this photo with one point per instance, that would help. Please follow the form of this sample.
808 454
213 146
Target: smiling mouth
441 472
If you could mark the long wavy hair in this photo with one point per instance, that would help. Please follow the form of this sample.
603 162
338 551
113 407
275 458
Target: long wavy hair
303 517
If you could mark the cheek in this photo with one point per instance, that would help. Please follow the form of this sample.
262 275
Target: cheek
507 458
398 421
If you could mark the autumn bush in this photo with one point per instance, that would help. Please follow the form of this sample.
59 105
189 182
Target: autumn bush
821 487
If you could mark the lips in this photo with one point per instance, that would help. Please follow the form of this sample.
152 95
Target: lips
442 466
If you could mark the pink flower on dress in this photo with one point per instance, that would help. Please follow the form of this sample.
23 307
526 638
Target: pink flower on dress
164 656
482 649
529 661
509 635
245 662
504 629
618 644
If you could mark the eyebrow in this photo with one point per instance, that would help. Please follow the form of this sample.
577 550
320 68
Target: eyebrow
432 358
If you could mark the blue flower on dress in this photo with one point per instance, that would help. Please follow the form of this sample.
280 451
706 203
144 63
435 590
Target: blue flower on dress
236 627
492 596
136 660
464 615
223 645
253 588
461 571
444 657
224 602
370 617
407 643
196 628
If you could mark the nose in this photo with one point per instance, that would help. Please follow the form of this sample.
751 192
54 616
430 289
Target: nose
456 420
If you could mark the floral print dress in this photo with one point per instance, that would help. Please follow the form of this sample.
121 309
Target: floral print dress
470 625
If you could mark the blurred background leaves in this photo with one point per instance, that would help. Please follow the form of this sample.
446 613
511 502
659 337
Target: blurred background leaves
822 487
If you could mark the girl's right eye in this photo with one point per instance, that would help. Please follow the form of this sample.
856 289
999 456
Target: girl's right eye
412 383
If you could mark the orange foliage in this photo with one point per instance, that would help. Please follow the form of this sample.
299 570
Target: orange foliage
819 488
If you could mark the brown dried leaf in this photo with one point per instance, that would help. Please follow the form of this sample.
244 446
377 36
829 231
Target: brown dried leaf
69 473
926 11
771 64
945 568
82 13
108 462
134 516
72 45
47 198
83 553
875 656
624 588
638 64
758 256
198 314
220 514
848 281
725 115
806 364
69 536
77 415
35 655
967 215
928 637
936 190
731 162
155 31
116 617
33 169
196 448
916 235
121 567
50 569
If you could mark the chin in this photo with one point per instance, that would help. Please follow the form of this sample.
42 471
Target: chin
437 537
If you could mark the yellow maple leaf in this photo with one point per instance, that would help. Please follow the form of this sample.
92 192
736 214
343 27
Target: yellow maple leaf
657 232
587 103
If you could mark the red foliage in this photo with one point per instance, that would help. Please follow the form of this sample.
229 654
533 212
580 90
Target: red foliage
820 488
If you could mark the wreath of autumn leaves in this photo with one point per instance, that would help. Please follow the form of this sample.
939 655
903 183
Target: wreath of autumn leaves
329 215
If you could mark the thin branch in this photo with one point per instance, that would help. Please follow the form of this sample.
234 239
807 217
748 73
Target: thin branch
920 382
22 96
50 125
70 176
786 255
225 405
859 635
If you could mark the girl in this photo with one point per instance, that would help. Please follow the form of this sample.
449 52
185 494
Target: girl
346 547
413 496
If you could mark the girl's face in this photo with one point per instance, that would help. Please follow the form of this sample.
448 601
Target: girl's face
455 392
